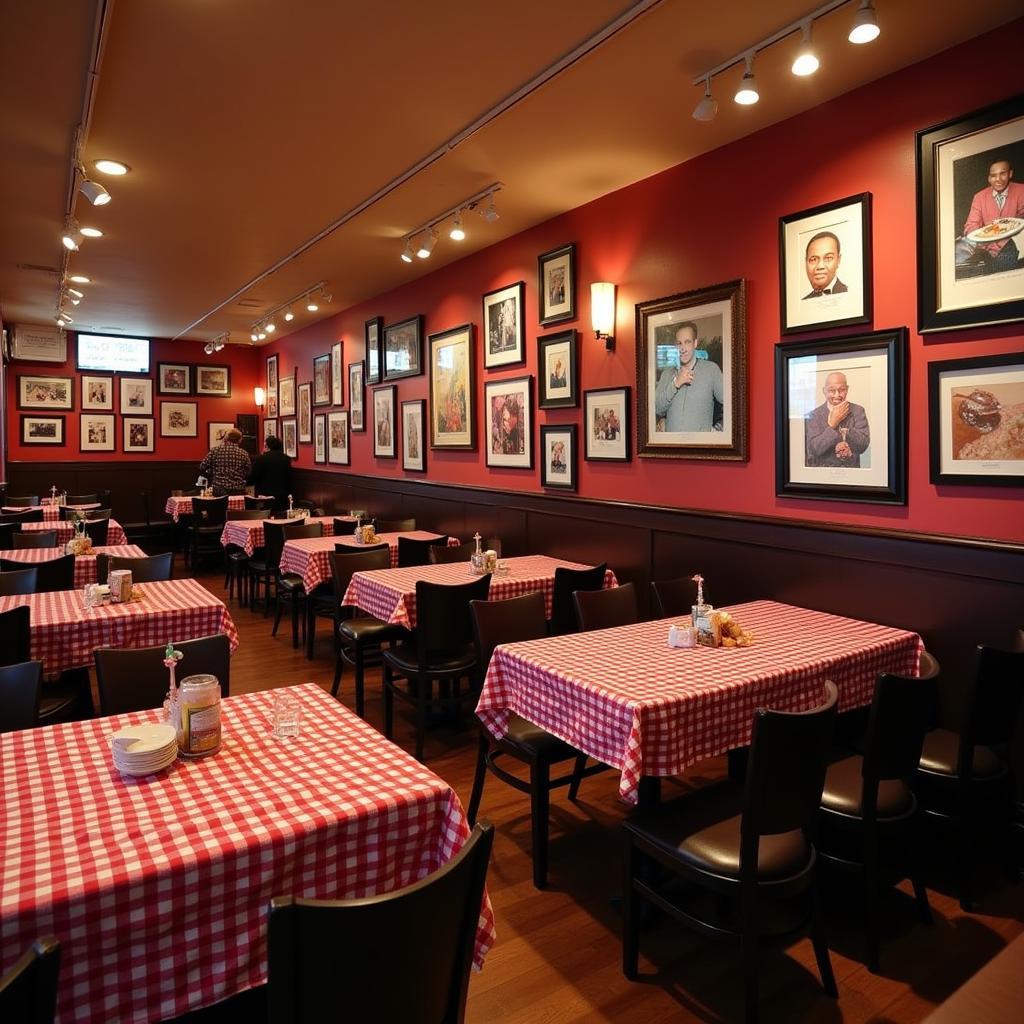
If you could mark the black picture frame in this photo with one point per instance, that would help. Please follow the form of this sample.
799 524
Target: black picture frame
189 371
551 477
496 394
208 392
554 267
385 443
321 382
357 395
127 422
607 449
498 305
304 414
320 438
403 344
59 437
142 386
414 458
166 410
373 336
567 395
66 404
111 425
89 403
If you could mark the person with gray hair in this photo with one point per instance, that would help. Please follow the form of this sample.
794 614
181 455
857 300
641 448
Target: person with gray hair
227 466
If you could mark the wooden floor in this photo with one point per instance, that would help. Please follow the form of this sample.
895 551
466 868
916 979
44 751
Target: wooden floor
556 960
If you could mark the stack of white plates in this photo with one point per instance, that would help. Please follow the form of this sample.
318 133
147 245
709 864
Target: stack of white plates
144 749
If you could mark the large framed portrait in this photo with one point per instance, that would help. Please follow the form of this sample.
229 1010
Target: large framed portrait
173 379
556 285
337 374
606 425
138 435
289 437
320 438
841 418
306 412
373 332
692 374
508 408
403 349
97 393
825 265
504 330
286 396
322 379
414 421
970 219
39 392
452 389
558 456
337 438
269 428
213 381
96 432
136 396
558 371
384 446
357 395
976 420
42 430
178 419
218 430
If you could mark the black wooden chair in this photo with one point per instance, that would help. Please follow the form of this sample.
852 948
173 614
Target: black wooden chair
28 991
96 531
19 580
673 597
236 561
208 518
83 499
603 609
257 504
151 569
264 566
20 689
413 551
567 581
289 588
55 574
441 554
343 528
25 501
34 539
7 532
395 525
30 515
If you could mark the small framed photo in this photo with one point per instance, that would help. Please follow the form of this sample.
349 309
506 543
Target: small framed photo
976 420
213 381
173 379
137 434
508 407
271 404
403 349
558 371
322 379
96 432
558 456
97 393
136 396
556 285
825 265
841 418
38 392
606 425
337 374
289 438
384 423
357 395
42 430
452 389
272 374
320 437
218 430
337 438
179 419
414 421
504 330
306 413
269 428
373 333
38 344
286 396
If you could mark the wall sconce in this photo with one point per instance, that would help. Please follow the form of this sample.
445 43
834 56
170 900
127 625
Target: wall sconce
260 397
602 312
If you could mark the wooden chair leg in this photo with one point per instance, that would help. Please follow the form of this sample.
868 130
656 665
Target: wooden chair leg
577 777
871 899
749 955
359 657
630 917
921 897
540 797
479 777
339 668
277 616
828 979
965 866
310 628
424 690
295 622
389 700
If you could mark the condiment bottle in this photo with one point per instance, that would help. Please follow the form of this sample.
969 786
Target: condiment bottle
198 722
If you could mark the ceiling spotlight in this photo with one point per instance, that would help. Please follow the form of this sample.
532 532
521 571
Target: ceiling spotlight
208 348
261 336
289 315
311 304
707 108
407 251
271 327
490 214
427 244
254 336
64 319
75 302
79 279
325 298
71 237
92 232
865 24
806 61
457 234
94 192
111 167
76 292
747 94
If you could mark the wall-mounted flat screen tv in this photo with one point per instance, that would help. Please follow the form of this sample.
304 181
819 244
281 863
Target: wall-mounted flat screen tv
113 354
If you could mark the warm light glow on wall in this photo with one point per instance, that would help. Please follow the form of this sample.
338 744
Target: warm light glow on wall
602 311
260 395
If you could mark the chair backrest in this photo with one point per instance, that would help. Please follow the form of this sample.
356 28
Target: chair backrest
441 554
673 597
15 635
252 514
413 551
258 504
55 574
994 698
303 530
602 609
897 725
23 502
320 951
396 525
96 531
343 527
346 561
20 686
24 539
443 622
93 515
83 499
30 515
563 608
16 579
273 542
208 513
7 531
151 569
136 680
506 622
28 991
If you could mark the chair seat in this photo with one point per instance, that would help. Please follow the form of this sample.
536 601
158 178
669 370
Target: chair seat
534 742
291 581
404 658
844 786
942 750
259 565
368 630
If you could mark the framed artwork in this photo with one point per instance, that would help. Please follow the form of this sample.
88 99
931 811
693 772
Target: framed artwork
286 396
271 404
38 392
452 389
357 394
97 393
337 438
137 434
558 371
558 456
606 425
306 413
96 432
269 428
289 439
556 285
970 219
218 430
825 265
38 343
136 396
841 418
384 422
337 374
508 408
322 379
320 437
504 330
213 381
692 375
42 430
179 419
271 374
373 332
976 420
403 349
414 422
173 379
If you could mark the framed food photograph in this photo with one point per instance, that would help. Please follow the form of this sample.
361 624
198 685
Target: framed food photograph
42 430
217 430
96 432
692 375
825 266
508 413
606 425
414 448
373 334
970 219
40 392
357 395
320 437
173 379
558 456
841 418
269 428
322 379
305 413
136 396
504 329
403 349
337 438
272 374
452 389
213 381
137 435
97 393
976 420
558 371
337 374
179 419
556 285
286 396
289 437
384 445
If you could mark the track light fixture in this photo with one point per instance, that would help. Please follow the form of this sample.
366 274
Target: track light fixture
407 252
865 24
490 214
114 167
707 108
94 192
254 336
457 233
289 316
421 241
79 279
311 303
427 244
77 293
806 61
312 297
747 94
92 232
271 327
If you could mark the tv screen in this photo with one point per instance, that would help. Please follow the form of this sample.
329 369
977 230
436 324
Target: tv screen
113 354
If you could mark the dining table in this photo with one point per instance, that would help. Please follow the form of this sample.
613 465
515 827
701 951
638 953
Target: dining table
85 565
624 697
157 888
65 531
179 505
51 512
247 534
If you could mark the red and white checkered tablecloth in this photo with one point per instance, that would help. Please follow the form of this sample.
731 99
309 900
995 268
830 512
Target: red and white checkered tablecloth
65 531
626 698
180 505
247 534
390 594
85 565
158 888
51 513
64 634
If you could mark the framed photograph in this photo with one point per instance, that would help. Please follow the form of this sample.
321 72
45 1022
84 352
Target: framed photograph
373 331
289 437
38 343
414 422
320 437
691 370
40 430
271 404
218 430
976 420
504 330
558 371
508 408
179 419
337 374
136 396
306 413
357 394
825 266
271 375
213 381
322 379
269 428
970 219
403 349
96 432
384 423
173 379
606 425
137 434
558 456
841 418
337 438
97 393
286 396
452 389
38 392
556 285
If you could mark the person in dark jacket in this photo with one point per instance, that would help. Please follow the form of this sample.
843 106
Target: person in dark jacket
272 473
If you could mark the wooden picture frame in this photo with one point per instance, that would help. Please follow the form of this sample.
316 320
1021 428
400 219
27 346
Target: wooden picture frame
385 445
305 413
174 379
453 389
373 337
40 431
215 431
289 437
213 381
286 396
339 447
269 428
319 438
414 439
402 353
37 391
357 396
337 373
322 379
556 285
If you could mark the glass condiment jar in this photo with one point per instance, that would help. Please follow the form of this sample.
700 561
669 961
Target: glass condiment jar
198 716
